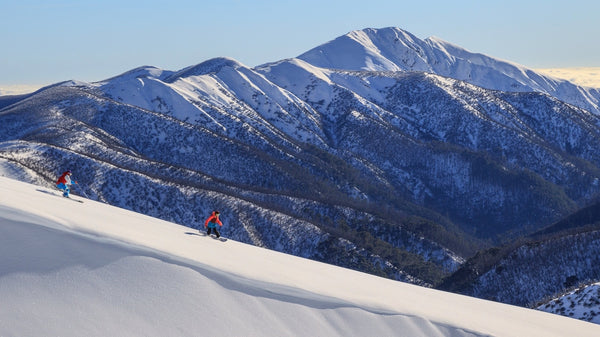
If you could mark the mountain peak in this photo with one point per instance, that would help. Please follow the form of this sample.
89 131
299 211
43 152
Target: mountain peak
385 49
393 49
139 72
210 66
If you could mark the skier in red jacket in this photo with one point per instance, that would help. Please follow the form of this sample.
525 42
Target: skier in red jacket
211 223
64 181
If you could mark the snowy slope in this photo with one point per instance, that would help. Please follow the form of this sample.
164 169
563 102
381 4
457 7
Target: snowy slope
90 269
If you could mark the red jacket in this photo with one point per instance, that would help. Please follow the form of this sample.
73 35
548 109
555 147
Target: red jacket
63 179
213 218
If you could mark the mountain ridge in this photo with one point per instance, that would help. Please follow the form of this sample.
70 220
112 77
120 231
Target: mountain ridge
432 55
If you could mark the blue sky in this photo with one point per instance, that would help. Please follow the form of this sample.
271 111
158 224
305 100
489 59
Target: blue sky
45 42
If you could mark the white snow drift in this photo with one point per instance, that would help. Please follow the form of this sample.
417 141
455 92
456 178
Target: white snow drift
89 269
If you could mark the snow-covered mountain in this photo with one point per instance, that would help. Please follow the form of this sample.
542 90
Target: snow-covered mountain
396 173
582 303
90 269
393 49
555 269
541 269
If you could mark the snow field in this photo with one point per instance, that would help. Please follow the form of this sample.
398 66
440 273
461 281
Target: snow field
91 269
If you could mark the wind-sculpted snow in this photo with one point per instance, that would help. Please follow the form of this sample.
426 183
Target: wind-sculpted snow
91 269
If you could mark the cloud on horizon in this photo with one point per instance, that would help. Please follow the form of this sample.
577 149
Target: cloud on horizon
584 76
18 89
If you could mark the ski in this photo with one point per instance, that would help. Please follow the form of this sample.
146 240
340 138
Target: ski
76 200
220 238
59 195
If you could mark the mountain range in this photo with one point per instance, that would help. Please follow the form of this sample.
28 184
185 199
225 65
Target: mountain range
376 151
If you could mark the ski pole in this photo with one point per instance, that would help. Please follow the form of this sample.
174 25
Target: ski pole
81 190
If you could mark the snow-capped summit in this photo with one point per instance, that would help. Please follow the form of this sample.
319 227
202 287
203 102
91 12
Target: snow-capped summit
388 49
210 66
139 72
393 49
